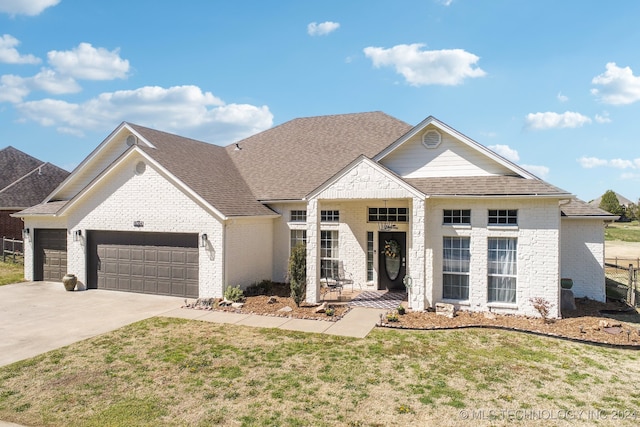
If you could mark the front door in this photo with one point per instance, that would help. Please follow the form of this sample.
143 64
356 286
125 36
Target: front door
392 260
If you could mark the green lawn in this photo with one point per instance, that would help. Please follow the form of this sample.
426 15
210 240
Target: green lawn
172 372
623 231
11 272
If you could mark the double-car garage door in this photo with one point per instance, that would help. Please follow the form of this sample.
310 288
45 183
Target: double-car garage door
151 263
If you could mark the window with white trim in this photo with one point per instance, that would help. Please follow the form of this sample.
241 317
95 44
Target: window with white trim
298 237
456 256
329 216
328 253
502 268
456 216
503 217
298 216
388 214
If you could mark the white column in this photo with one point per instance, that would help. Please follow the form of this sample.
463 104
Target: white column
313 252
420 292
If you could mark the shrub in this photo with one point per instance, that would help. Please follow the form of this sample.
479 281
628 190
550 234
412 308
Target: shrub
542 306
233 293
298 273
401 309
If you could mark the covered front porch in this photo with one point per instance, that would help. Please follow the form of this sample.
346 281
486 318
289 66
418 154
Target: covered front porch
367 226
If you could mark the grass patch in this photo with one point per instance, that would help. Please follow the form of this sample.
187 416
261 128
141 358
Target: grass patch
623 231
167 372
11 272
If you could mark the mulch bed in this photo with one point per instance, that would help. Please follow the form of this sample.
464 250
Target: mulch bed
617 326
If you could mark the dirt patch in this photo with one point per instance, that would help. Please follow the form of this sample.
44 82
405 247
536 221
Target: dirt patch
611 323
619 249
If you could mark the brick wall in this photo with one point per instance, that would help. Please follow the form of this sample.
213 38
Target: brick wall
10 227
582 255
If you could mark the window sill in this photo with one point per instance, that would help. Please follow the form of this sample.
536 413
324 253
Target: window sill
502 227
457 226
464 302
506 305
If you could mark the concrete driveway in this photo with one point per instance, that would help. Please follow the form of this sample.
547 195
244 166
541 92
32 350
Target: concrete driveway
36 317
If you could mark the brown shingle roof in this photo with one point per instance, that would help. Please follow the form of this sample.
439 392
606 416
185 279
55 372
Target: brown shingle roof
578 208
485 186
206 169
292 159
48 208
25 180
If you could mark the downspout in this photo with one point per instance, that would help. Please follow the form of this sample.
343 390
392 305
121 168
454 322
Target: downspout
560 204
224 258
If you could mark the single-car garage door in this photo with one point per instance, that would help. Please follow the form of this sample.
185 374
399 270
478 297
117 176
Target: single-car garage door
152 263
50 260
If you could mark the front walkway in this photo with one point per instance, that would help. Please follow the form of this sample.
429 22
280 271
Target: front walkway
379 299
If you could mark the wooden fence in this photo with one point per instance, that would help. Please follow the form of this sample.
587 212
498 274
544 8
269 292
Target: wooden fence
621 277
12 248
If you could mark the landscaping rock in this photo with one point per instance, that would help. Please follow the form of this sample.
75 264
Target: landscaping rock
444 309
286 309
237 304
322 308
272 300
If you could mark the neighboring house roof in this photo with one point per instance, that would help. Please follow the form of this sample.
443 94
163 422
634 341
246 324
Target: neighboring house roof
621 199
24 180
290 160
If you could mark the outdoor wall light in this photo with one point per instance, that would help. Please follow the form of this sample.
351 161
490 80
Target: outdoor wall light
204 238
77 235
25 233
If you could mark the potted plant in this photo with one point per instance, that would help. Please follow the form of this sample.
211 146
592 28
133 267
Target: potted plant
401 310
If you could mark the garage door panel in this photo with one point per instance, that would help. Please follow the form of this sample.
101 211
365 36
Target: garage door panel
164 256
137 285
164 287
150 255
164 272
162 269
150 286
192 273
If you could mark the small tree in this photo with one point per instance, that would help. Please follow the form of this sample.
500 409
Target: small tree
610 203
298 273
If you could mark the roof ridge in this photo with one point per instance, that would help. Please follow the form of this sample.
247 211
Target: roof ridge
23 177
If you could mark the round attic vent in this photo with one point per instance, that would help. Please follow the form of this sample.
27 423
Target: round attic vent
132 140
431 139
140 168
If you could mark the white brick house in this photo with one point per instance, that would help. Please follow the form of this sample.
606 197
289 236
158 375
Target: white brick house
153 212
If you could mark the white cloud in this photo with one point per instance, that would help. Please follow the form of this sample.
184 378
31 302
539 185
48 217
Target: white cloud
322 29
539 171
562 98
427 67
89 63
181 109
26 7
49 81
506 152
12 88
550 120
603 118
618 85
621 163
592 162
10 55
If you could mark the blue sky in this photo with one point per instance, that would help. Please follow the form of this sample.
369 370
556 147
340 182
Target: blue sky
552 85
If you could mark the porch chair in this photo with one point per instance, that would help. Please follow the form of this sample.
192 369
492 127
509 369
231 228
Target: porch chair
328 285
344 277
